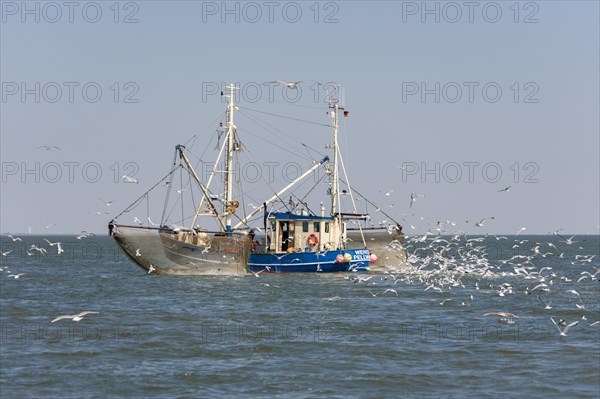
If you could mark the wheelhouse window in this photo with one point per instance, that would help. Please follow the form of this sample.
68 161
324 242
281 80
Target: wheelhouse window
305 227
317 227
326 227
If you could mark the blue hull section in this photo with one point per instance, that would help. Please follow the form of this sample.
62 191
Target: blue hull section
310 262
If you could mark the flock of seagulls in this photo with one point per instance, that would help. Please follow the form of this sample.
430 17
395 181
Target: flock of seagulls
459 267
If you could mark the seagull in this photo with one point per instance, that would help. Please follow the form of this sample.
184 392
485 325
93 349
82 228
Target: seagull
256 274
547 306
107 203
36 248
129 179
574 292
505 317
290 85
481 222
137 252
205 250
387 192
413 198
506 189
151 269
16 276
6 253
76 317
521 229
444 301
48 147
563 332
57 244
390 290
14 238
569 241
100 213
363 279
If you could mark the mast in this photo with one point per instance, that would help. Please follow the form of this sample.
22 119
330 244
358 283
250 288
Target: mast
335 179
229 157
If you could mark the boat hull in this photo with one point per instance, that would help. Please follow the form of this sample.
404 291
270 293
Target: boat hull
221 255
310 262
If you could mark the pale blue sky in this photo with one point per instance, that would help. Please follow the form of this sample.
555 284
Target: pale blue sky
174 50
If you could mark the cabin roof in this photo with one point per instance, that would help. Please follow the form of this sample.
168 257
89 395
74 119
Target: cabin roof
291 216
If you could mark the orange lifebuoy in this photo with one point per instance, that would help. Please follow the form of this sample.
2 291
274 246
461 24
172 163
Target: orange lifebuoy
312 240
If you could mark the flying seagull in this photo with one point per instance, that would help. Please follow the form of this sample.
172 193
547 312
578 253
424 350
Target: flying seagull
290 85
563 332
48 147
481 222
129 179
76 317
413 198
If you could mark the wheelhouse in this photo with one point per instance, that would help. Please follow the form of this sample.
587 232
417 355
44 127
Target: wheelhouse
289 232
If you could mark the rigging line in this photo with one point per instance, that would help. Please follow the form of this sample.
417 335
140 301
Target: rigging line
169 184
189 184
313 187
351 195
209 143
296 105
274 144
142 196
221 116
251 155
287 117
251 117
310 211
194 137
181 193
262 124
373 204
